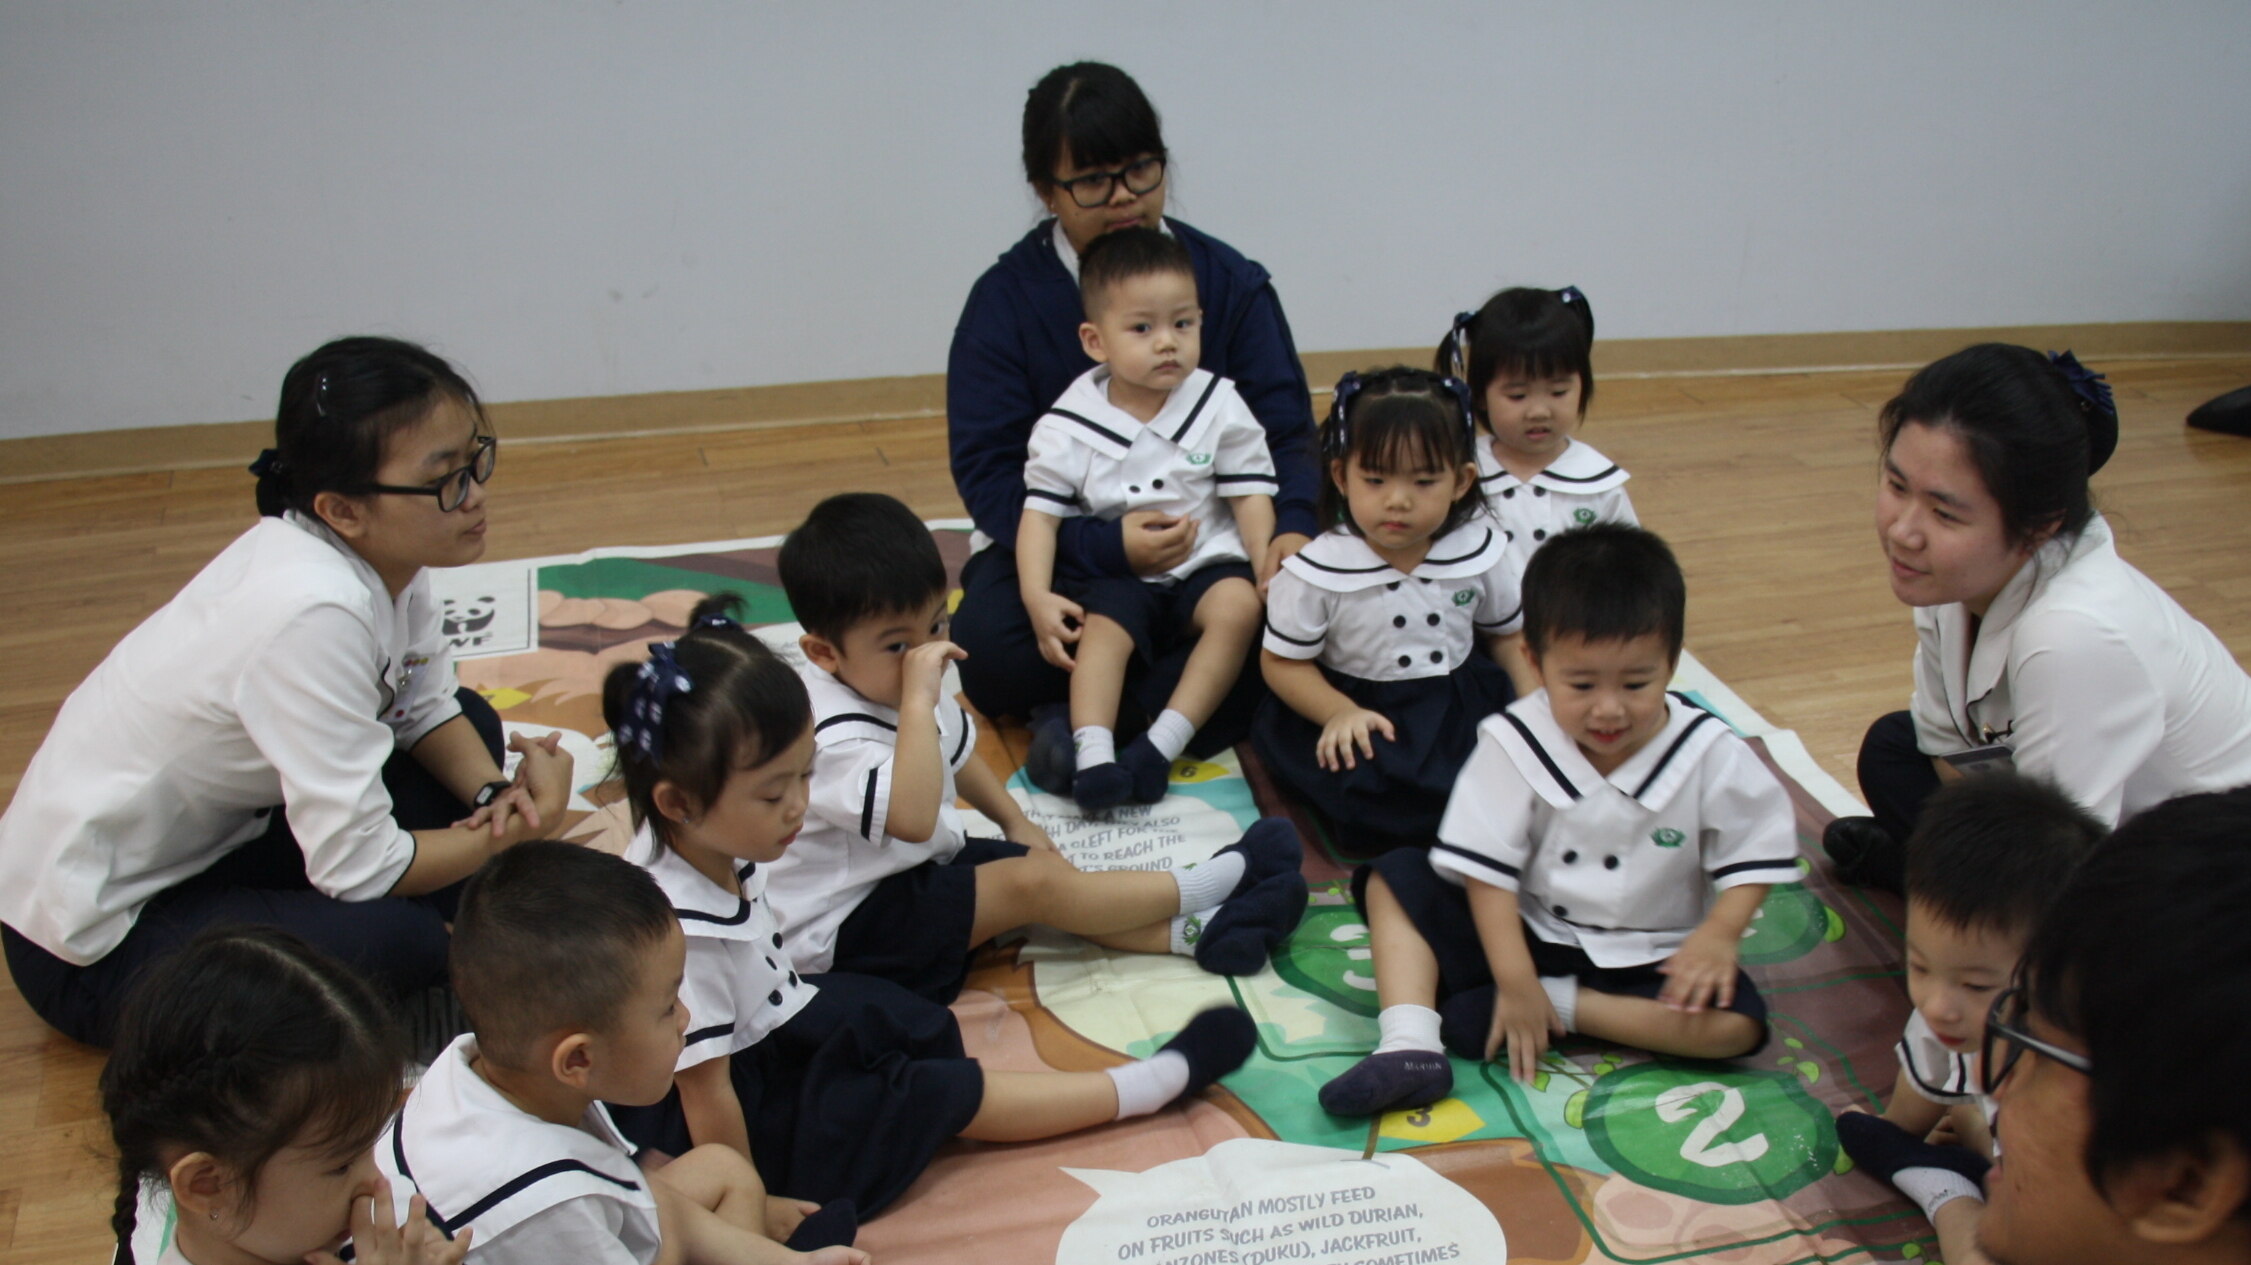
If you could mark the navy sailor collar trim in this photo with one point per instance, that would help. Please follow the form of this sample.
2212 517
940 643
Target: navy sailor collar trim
1341 562
1552 764
1580 470
1091 419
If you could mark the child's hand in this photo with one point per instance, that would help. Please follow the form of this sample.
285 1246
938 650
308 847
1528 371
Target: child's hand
924 668
1523 1020
375 1241
1701 974
1347 732
1156 542
1056 621
838 1256
1027 832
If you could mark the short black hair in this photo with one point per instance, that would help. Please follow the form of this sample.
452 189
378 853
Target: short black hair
550 937
1605 582
1990 852
856 556
1091 113
1124 254
1523 330
2035 441
2146 957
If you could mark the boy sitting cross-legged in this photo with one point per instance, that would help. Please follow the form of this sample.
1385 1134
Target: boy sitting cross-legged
1603 851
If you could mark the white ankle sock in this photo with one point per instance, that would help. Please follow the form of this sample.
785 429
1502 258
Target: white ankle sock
1187 929
1206 883
1095 745
1146 1086
1563 994
1933 1188
1170 733
1407 1027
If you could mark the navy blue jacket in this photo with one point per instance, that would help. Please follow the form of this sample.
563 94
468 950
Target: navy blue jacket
1017 346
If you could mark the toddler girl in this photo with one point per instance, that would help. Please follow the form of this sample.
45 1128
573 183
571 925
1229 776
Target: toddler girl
1385 635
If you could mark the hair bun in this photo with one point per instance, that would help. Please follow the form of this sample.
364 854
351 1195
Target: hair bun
273 483
2097 406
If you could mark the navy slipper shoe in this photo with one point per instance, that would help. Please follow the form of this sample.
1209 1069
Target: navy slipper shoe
834 1224
1052 761
1215 1043
1388 1082
1883 1148
1101 787
1246 929
1151 772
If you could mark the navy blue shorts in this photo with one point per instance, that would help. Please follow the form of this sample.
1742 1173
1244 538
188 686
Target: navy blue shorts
1440 911
913 927
1161 617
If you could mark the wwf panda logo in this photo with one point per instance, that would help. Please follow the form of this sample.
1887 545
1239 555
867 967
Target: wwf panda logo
466 617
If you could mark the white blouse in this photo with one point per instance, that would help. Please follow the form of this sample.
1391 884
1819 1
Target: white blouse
283 673
1338 601
1580 487
738 985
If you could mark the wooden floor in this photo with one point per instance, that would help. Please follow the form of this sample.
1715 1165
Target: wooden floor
1762 483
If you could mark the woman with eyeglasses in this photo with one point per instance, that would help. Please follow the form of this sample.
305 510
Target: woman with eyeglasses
1095 156
283 743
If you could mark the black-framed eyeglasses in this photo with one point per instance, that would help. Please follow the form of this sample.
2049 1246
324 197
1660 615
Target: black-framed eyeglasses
2006 1040
1096 188
452 487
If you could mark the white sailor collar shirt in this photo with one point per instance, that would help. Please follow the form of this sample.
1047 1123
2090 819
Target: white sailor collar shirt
738 984
1088 456
1578 488
533 1191
1338 601
1622 866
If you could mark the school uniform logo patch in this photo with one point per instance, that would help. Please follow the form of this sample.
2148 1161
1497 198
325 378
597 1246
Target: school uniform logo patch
1582 516
1199 458
1463 597
1667 837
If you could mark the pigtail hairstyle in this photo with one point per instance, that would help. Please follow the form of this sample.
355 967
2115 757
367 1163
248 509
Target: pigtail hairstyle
339 406
1534 333
714 701
2037 427
1397 421
242 1043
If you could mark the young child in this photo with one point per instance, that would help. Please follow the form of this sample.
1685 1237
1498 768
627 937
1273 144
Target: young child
568 962
251 1076
1145 429
1383 635
1605 848
1987 857
1528 358
838 1086
883 881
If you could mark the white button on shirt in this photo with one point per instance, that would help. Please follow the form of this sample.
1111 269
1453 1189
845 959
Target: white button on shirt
535 1192
1338 601
2093 676
284 672
1088 456
1578 488
1624 867
738 984
842 851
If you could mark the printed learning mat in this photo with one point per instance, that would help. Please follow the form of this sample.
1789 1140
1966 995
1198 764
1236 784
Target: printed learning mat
1609 1156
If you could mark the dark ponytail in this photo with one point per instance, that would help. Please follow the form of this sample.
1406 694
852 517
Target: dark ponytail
339 407
240 1044
2036 427
715 701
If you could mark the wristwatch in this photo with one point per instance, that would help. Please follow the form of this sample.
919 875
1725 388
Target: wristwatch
489 792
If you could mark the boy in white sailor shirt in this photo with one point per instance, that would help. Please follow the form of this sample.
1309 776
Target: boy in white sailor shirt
568 962
1988 855
1145 429
1606 847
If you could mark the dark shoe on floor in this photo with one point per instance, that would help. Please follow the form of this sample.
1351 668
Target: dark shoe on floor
1389 1082
1247 928
1215 1043
834 1224
1864 854
1052 761
1150 772
1104 786
1883 1148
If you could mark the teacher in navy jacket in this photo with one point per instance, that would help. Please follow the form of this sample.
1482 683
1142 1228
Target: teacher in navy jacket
1095 156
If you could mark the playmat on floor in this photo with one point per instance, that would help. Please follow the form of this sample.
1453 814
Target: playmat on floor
1611 1155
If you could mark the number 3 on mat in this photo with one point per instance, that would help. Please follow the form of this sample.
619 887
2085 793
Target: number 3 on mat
1679 1103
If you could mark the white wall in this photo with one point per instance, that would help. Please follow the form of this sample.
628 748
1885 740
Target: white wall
575 198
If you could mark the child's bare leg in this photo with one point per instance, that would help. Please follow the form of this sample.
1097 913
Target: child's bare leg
1098 672
1956 1221
1020 890
1408 1067
1154 938
721 1180
1019 1106
1228 618
1242 894
1650 1025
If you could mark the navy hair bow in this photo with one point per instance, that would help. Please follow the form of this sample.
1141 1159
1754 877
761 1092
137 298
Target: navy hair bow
1459 356
2085 383
661 680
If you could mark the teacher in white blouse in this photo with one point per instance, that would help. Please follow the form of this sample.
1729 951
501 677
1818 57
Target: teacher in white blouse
2039 647
284 742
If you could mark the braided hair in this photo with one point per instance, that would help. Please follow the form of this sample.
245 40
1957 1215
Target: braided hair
242 1043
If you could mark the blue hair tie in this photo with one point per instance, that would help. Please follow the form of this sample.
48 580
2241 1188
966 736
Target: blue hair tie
661 680
1571 294
714 620
1340 405
2091 387
1460 337
1469 412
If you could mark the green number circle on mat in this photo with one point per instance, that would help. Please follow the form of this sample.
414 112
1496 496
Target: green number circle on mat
1706 1131
1329 958
1790 924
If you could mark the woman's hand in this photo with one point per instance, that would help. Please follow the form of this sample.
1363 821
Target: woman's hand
1277 552
1523 1020
1056 621
517 802
1349 731
1156 542
375 1241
